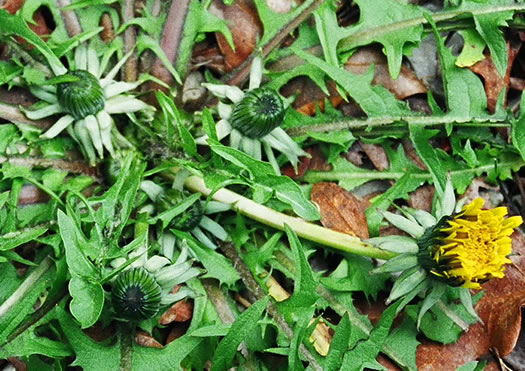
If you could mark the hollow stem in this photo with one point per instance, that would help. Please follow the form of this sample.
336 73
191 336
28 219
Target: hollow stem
272 218
26 286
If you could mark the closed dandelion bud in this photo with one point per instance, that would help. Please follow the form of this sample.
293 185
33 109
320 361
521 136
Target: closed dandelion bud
136 295
259 112
188 219
82 97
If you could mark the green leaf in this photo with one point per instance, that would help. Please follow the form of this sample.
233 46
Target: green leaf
73 239
304 294
384 15
421 139
146 42
262 173
403 341
216 265
227 348
11 240
472 51
518 129
374 100
199 19
93 356
463 89
88 300
328 30
14 25
488 26
353 274
365 353
29 343
338 345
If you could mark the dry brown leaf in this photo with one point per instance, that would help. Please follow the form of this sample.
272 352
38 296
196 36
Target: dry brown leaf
245 28
500 311
421 198
377 155
316 161
340 210
406 85
181 311
176 332
494 83
146 340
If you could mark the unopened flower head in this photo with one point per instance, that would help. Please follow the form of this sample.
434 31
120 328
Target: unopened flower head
87 101
253 120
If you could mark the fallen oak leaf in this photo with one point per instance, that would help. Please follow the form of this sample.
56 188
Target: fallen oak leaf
340 210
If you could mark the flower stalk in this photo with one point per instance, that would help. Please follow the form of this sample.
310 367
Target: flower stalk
272 218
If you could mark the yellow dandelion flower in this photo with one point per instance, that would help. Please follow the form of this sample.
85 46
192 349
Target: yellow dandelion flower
473 245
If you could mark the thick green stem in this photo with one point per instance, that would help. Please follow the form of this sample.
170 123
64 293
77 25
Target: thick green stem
272 218
26 286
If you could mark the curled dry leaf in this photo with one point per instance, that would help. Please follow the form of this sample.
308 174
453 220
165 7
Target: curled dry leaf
340 210
406 85
321 337
146 340
181 311
500 311
245 27
316 161
494 83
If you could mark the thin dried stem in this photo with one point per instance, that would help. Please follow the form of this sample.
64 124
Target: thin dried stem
130 71
70 19
13 114
171 38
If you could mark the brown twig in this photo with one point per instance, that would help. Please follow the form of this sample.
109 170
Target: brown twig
221 306
70 19
130 71
76 167
13 114
239 75
171 38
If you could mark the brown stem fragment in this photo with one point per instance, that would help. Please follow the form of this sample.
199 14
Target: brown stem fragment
70 19
239 75
171 38
130 71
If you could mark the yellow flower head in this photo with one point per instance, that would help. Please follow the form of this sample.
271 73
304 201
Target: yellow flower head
472 246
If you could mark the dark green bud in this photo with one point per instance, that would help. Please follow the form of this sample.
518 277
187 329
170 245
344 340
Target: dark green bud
82 97
259 112
136 295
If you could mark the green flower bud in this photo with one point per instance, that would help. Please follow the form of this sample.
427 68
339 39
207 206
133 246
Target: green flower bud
259 112
136 295
82 97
